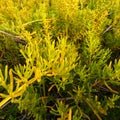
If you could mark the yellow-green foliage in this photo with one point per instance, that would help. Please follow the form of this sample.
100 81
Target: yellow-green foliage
66 68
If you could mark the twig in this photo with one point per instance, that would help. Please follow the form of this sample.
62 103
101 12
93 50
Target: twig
8 102
64 99
109 28
15 38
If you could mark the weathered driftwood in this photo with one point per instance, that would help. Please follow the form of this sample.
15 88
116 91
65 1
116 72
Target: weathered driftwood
14 37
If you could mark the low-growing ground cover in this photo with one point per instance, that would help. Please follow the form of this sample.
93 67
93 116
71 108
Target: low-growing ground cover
59 60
